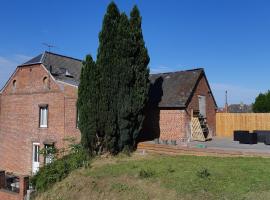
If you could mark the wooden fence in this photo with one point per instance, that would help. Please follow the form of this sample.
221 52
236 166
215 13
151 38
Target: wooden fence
226 123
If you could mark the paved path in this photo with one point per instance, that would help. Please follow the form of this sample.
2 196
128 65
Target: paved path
229 144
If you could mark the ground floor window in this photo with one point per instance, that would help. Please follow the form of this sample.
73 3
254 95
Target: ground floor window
35 157
49 153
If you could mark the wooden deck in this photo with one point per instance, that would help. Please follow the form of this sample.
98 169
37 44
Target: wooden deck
179 150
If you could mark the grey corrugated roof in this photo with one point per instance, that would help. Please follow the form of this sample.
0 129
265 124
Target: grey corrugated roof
63 68
173 89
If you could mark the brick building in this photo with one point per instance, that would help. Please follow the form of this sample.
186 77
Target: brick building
38 108
174 98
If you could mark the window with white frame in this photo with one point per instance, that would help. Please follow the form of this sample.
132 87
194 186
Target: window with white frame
43 116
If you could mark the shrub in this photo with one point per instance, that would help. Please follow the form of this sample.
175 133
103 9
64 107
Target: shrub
146 173
170 169
204 173
59 169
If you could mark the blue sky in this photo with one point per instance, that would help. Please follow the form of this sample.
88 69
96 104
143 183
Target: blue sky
229 38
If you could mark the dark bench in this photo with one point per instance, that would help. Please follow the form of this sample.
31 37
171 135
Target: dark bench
237 135
244 137
263 136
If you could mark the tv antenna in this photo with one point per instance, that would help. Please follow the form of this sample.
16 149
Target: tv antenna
49 46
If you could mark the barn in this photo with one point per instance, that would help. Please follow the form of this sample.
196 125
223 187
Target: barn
180 104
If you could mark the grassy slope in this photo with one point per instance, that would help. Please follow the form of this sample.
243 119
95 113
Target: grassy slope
166 177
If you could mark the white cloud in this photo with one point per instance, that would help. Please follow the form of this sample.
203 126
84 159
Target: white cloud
236 93
21 58
4 62
160 69
8 65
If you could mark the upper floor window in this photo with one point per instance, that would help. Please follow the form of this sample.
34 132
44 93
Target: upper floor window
14 84
43 116
45 82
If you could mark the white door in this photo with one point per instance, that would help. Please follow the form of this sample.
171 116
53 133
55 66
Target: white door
202 105
35 158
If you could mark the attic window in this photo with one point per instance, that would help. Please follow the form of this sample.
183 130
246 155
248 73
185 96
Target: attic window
45 82
14 84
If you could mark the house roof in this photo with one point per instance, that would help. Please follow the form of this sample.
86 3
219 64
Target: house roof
174 89
240 108
63 68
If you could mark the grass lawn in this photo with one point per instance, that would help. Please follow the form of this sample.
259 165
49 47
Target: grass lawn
166 177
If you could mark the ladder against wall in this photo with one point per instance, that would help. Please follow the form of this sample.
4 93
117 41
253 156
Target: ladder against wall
199 127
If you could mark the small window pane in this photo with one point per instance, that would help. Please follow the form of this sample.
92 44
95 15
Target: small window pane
36 153
43 116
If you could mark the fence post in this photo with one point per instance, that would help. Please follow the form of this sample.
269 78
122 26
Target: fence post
2 179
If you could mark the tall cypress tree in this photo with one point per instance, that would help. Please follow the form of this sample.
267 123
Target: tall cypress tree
140 61
113 91
87 104
125 72
106 63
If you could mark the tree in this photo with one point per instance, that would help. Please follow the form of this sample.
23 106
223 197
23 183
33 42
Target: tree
106 63
262 103
141 83
132 64
87 104
126 77
113 91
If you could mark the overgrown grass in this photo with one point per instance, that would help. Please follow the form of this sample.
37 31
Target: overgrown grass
168 177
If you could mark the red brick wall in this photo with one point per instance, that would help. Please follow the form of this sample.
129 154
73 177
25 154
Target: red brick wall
9 195
173 124
19 117
6 195
203 89
166 124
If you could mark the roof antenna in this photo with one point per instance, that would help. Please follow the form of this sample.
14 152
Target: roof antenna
49 46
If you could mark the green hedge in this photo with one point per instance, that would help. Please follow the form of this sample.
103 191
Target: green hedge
59 169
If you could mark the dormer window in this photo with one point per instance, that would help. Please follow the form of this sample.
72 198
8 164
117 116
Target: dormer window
68 74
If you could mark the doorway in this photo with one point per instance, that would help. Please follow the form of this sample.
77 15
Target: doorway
35 158
202 105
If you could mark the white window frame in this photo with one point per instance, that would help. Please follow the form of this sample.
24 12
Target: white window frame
35 157
43 116
36 153
48 156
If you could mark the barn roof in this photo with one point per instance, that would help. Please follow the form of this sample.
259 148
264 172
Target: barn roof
174 89
63 68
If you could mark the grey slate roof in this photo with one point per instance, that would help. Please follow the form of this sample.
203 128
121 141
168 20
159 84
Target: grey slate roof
63 68
173 89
